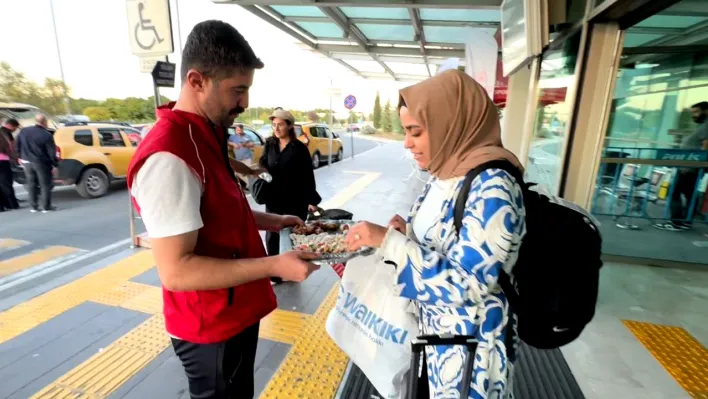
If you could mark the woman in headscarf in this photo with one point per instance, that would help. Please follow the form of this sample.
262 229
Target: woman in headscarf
451 128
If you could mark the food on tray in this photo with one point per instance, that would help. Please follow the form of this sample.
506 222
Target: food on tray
318 227
322 243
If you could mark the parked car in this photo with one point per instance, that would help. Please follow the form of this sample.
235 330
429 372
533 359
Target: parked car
91 156
25 114
316 137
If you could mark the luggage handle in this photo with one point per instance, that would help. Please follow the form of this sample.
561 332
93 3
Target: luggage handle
436 340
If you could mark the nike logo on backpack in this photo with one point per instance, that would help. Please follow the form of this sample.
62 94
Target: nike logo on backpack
557 329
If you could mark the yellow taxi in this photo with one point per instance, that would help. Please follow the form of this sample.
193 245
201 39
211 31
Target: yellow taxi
91 156
255 137
316 136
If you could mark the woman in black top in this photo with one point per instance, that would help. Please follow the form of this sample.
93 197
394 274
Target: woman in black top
287 159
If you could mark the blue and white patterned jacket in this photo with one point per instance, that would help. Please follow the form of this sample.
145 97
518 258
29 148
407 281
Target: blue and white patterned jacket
454 281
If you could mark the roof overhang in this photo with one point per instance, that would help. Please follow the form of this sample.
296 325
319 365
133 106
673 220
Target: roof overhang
392 39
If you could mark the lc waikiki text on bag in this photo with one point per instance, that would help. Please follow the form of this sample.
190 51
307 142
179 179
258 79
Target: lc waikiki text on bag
373 325
554 284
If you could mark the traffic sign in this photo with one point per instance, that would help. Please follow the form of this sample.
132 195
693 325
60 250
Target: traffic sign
147 64
164 74
149 27
350 102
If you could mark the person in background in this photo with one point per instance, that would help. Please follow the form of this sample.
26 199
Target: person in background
452 127
242 147
38 154
8 128
686 178
203 233
8 201
293 190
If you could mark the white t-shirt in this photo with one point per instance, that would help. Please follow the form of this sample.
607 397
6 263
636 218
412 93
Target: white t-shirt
169 194
431 208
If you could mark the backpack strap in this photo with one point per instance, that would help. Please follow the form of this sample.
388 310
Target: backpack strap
461 200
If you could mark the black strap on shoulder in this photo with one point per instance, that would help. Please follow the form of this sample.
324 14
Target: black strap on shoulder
461 200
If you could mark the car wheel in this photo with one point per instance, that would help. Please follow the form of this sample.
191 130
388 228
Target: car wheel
340 154
316 160
94 183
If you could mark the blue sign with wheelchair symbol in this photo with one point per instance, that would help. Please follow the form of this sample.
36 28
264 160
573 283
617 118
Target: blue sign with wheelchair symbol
350 102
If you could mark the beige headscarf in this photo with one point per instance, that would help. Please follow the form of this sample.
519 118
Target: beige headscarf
461 120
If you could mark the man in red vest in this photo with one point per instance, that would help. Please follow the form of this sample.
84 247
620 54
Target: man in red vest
204 236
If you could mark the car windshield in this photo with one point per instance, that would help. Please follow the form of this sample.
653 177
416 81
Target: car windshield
22 113
264 131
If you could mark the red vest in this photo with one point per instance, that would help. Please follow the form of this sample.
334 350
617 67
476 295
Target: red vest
229 231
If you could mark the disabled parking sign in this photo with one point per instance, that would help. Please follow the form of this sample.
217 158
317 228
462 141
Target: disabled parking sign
350 102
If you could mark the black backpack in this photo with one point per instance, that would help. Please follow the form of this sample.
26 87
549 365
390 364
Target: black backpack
553 286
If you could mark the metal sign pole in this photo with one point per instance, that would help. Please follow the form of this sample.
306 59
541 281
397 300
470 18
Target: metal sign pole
351 135
133 237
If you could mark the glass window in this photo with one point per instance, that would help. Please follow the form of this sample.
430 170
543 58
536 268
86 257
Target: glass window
84 137
298 130
652 100
110 138
376 12
387 32
298 11
133 135
553 114
322 29
252 136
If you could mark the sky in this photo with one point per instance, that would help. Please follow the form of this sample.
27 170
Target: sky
98 64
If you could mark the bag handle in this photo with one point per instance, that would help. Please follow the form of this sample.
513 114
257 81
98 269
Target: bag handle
419 343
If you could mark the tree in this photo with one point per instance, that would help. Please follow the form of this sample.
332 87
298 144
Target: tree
50 97
98 113
377 111
386 118
396 122
352 117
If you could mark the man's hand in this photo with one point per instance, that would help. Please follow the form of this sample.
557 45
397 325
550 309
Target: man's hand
294 266
290 221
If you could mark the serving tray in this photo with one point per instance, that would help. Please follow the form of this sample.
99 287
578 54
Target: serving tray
286 244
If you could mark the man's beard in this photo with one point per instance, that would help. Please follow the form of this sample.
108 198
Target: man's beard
700 119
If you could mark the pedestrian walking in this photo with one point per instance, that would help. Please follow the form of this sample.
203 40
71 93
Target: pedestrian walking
37 151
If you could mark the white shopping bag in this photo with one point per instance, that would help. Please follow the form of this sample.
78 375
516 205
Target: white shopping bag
373 325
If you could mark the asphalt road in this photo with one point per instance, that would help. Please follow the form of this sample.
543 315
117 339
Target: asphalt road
90 224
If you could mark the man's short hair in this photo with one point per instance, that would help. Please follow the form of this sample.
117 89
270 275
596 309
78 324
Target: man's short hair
240 126
703 105
215 49
11 122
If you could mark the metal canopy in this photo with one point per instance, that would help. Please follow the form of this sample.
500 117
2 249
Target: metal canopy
394 39
405 39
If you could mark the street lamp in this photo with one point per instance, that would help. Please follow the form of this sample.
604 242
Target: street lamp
61 66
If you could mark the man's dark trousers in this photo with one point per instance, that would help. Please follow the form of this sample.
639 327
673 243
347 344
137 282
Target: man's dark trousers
222 370
39 176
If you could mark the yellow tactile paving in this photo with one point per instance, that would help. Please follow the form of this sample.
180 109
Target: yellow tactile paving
351 190
36 311
682 356
283 326
107 370
7 244
134 296
35 258
314 367
148 301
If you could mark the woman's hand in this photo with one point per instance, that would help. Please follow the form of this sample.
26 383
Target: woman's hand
398 224
365 234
